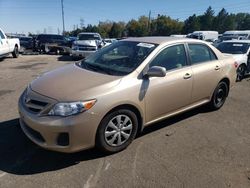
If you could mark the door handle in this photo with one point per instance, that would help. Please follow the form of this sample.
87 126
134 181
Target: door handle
217 67
187 76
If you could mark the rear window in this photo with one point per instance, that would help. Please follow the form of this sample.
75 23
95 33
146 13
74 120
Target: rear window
49 37
233 47
56 37
88 37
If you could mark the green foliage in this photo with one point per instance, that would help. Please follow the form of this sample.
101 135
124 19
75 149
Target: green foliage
206 20
117 30
191 24
164 25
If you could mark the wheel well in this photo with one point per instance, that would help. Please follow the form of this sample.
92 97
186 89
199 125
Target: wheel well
227 81
243 64
133 109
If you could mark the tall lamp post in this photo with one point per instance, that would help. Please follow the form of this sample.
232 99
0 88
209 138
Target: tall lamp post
63 17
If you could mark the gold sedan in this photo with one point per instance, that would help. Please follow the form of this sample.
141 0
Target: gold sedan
108 98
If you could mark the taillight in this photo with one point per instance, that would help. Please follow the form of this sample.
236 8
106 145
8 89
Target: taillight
235 64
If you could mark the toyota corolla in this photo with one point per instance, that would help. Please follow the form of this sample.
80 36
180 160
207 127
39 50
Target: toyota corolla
109 97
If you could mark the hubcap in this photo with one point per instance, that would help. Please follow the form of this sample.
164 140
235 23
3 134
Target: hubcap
118 130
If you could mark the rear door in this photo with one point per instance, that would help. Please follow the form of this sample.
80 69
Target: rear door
206 70
4 44
172 92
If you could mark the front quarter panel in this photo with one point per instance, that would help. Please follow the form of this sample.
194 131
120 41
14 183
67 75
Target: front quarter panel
130 91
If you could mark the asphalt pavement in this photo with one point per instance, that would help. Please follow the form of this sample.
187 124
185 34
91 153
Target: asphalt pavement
199 148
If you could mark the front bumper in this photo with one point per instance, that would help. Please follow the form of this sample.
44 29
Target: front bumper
78 53
63 134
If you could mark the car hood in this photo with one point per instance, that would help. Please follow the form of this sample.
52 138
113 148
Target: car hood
86 42
240 58
73 83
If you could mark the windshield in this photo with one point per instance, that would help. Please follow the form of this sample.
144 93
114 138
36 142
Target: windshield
120 58
25 39
196 36
88 37
234 47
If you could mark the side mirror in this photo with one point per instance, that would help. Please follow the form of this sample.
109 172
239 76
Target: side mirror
156 71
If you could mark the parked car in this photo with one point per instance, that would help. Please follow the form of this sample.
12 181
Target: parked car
108 41
240 49
26 43
8 45
86 44
45 43
109 97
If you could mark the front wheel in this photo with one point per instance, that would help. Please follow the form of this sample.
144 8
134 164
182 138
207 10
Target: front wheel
219 96
15 52
116 131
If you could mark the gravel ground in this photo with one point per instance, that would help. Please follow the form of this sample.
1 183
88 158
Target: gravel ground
196 149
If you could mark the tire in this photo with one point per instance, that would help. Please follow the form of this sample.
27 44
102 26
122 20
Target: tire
15 52
111 137
219 96
241 71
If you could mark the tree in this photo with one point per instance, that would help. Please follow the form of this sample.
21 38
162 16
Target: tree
117 30
104 28
132 28
206 20
191 24
165 26
242 21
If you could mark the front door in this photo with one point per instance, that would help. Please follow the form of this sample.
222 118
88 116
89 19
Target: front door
172 92
4 46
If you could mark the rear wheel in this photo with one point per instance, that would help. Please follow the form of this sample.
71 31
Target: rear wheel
219 96
116 131
241 71
15 52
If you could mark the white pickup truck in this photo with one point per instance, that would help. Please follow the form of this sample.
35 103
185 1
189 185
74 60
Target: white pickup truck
8 46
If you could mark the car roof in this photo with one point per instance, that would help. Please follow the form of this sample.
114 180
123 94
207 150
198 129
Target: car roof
234 41
88 33
49 35
161 40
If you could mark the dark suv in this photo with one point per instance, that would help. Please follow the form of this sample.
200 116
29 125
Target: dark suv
45 43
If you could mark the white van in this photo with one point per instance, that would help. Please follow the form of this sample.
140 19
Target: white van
209 36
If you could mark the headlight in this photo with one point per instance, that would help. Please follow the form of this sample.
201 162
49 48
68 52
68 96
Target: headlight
67 109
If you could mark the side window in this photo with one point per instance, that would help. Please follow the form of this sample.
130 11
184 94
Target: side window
171 58
200 53
212 55
1 35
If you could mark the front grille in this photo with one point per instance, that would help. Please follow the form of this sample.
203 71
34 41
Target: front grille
36 135
87 48
39 103
35 106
